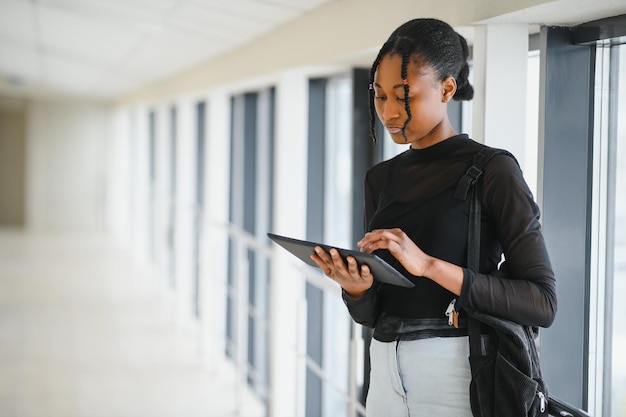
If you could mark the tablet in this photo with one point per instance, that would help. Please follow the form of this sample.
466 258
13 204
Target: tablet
381 270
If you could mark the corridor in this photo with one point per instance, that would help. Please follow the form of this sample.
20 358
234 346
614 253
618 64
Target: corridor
85 333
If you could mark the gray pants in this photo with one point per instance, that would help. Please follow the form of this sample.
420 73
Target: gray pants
427 377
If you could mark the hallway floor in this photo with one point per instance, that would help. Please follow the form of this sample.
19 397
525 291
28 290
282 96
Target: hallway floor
83 333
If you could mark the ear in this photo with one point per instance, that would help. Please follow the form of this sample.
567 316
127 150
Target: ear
448 88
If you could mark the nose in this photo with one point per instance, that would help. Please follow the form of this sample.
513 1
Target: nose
389 110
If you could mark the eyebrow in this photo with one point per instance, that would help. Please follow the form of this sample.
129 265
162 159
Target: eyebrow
393 88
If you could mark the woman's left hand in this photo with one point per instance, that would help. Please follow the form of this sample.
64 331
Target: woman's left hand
414 260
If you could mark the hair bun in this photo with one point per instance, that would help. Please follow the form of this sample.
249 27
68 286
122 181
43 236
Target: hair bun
464 90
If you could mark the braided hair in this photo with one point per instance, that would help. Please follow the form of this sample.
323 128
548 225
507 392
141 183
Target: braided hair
425 42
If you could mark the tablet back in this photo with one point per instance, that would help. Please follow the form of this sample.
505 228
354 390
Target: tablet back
381 270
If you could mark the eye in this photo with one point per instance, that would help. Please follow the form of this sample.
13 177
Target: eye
380 98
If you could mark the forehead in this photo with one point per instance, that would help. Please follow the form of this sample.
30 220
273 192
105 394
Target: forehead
390 67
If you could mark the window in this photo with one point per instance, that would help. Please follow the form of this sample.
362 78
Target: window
338 230
251 196
618 330
584 212
532 122
607 327
330 199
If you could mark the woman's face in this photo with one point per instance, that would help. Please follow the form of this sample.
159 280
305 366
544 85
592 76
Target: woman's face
428 98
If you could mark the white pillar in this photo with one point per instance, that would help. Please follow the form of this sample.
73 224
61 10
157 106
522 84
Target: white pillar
287 285
500 76
161 192
214 258
119 178
186 183
139 157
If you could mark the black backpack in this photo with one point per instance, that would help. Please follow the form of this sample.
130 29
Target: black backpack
506 374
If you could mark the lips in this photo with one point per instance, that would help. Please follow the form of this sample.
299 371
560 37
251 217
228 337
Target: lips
394 130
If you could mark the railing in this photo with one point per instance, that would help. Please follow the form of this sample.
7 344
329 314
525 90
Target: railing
242 244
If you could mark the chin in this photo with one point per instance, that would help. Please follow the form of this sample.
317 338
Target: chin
399 139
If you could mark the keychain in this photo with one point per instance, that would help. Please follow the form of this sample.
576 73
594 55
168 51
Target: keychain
452 314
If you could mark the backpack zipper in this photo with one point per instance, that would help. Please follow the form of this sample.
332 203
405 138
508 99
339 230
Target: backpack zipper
542 398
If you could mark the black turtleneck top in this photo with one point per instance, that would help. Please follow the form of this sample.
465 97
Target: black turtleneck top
414 192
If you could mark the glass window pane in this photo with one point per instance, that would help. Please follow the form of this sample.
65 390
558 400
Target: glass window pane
618 383
607 339
531 150
337 230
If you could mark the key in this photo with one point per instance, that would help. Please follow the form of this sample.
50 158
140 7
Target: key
455 318
452 314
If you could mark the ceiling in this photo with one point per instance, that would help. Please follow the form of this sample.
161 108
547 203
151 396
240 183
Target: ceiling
105 48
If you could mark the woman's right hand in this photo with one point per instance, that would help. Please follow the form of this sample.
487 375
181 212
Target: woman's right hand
353 280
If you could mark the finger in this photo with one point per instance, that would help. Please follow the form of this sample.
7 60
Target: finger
323 255
319 261
353 268
368 237
366 273
379 235
370 247
338 263
323 260
367 241
391 234
328 271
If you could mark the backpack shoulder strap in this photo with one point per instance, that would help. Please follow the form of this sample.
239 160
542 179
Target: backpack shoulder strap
474 172
468 187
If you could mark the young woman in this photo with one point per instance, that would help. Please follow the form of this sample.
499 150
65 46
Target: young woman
419 363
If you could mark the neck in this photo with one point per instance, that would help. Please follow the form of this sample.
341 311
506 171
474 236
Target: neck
439 133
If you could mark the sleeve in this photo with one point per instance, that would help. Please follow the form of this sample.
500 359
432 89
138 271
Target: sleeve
366 309
523 290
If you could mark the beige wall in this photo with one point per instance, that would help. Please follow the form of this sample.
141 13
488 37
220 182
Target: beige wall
65 179
12 165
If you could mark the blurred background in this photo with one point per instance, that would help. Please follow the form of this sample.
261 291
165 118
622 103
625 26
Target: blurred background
148 146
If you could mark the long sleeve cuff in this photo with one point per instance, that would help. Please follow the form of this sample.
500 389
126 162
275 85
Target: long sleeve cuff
464 301
352 303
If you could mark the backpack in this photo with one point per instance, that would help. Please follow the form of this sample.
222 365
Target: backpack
506 373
